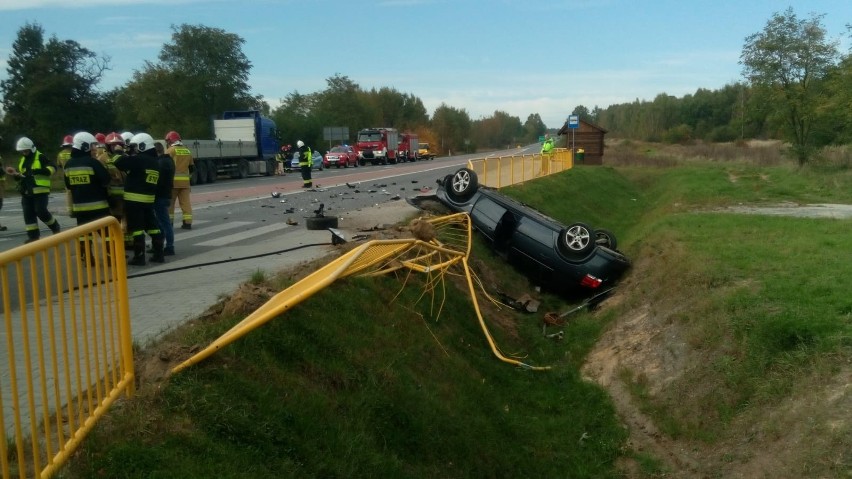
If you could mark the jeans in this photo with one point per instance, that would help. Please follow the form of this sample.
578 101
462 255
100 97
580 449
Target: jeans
161 211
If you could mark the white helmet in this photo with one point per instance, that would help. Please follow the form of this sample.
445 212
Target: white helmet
83 141
300 143
143 142
126 136
25 144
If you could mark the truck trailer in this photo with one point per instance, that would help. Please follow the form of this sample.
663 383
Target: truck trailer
245 144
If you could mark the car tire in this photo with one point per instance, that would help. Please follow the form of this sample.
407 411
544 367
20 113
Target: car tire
605 238
576 240
320 222
461 185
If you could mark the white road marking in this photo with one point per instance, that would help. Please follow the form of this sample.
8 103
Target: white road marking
233 238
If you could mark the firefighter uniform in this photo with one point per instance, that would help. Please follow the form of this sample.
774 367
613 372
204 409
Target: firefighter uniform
33 178
184 165
61 158
87 180
305 162
139 190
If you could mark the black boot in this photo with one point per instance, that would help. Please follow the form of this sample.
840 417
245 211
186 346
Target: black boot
138 251
157 248
55 228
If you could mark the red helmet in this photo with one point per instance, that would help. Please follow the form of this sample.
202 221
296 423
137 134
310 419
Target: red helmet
172 137
67 141
114 139
100 138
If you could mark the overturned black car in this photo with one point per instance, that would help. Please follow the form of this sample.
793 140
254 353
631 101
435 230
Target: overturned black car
568 259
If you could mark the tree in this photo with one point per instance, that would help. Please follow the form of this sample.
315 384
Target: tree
787 59
452 128
50 87
200 74
534 127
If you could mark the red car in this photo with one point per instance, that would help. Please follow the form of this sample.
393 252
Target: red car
338 156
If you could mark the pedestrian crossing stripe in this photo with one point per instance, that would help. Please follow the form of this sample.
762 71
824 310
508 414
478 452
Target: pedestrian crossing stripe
228 239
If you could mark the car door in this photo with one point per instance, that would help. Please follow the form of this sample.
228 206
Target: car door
531 249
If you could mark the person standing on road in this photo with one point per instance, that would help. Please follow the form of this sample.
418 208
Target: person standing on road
143 174
115 145
61 158
280 158
547 146
184 165
163 198
33 178
87 180
305 163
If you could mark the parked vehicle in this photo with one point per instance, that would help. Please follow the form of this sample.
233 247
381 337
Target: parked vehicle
562 258
408 147
377 146
424 152
316 161
341 155
245 144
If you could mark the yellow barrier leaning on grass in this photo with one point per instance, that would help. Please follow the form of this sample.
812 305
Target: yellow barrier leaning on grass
439 244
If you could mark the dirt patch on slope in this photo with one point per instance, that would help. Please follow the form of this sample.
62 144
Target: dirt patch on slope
806 434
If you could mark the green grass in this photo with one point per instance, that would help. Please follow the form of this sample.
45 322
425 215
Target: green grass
352 383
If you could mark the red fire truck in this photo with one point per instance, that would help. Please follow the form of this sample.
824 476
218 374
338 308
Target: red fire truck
377 145
408 147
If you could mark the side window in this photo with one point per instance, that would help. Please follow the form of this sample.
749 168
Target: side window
489 209
536 231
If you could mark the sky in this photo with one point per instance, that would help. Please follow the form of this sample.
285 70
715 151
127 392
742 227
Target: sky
515 56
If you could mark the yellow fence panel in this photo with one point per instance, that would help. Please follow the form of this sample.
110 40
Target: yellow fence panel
67 354
500 171
439 244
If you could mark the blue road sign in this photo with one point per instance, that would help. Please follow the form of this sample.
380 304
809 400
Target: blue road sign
574 121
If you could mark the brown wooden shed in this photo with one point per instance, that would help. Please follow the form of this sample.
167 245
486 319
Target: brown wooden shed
589 137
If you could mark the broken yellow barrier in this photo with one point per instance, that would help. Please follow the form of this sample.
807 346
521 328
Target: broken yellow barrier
439 243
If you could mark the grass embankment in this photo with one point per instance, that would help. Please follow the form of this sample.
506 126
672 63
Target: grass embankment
355 383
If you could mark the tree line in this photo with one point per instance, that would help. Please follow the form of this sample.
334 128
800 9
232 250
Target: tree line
51 90
798 87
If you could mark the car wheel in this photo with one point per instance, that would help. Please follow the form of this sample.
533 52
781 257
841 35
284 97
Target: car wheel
462 184
320 222
576 240
605 238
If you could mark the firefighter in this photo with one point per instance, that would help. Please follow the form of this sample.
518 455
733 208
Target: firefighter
305 163
87 180
61 158
115 150
33 179
280 158
184 166
140 188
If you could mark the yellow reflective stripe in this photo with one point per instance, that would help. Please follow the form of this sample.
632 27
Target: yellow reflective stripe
40 190
116 190
138 197
181 176
91 206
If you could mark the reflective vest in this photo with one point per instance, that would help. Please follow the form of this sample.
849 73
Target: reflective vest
305 157
63 157
182 157
548 145
116 177
42 182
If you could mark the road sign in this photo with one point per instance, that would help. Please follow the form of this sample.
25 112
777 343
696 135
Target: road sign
574 121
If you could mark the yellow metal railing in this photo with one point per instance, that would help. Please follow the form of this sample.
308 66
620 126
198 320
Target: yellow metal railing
500 171
445 244
67 355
